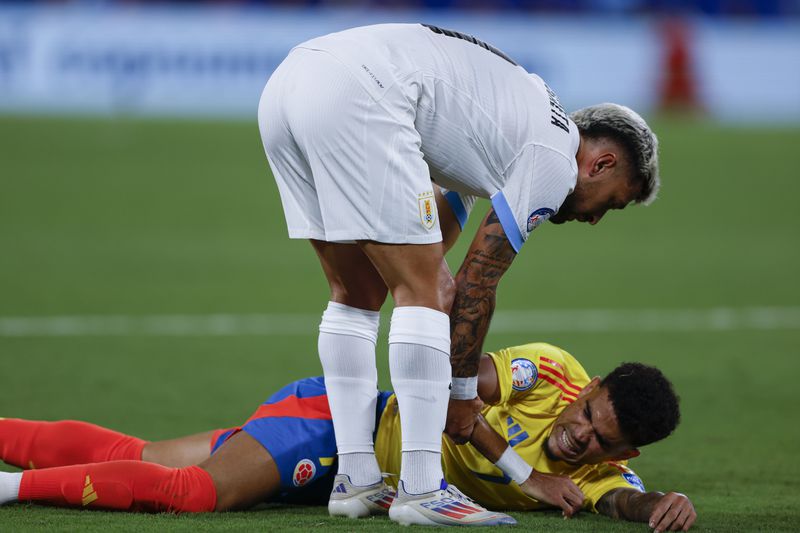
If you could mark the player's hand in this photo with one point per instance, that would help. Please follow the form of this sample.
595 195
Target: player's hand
461 418
559 491
673 512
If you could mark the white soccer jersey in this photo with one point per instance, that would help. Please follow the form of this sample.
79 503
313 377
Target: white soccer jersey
487 127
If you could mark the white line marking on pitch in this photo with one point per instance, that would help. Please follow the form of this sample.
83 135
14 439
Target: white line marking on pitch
509 321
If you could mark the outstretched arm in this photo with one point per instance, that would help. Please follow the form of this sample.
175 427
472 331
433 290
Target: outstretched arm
663 512
487 259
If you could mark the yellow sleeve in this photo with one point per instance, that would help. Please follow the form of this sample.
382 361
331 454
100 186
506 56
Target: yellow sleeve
533 372
601 478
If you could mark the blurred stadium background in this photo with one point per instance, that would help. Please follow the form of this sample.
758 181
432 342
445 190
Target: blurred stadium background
147 284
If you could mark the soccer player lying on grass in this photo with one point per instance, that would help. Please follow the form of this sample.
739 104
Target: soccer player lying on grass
565 442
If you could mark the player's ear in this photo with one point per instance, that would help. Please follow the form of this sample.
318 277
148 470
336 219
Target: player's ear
593 384
629 454
603 162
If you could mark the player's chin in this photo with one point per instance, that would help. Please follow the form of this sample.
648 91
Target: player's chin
558 220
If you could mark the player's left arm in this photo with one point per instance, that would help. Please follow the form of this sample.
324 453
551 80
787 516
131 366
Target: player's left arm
672 511
448 221
488 258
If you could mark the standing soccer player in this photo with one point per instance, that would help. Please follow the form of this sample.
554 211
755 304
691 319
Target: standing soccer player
356 125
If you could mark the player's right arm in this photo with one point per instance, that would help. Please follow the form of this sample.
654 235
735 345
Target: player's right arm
488 258
558 491
663 512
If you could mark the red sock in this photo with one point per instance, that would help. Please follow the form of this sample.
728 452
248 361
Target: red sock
122 485
32 444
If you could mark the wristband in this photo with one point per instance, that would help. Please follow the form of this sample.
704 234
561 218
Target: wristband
464 388
514 466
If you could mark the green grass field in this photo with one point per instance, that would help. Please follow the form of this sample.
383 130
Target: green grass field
138 218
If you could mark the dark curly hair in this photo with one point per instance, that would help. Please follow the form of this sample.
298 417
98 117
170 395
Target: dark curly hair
644 401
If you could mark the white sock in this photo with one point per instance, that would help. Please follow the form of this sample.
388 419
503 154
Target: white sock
419 360
9 486
347 338
422 471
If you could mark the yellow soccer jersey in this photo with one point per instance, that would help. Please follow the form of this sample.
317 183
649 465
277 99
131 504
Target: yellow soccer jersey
537 381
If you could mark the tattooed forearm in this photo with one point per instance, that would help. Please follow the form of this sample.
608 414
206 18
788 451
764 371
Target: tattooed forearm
487 260
628 504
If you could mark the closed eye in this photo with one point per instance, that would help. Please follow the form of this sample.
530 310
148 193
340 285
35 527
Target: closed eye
600 440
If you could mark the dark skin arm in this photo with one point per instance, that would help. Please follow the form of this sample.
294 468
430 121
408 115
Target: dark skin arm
663 512
489 257
558 491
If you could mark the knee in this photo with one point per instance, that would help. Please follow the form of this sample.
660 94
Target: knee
189 490
370 297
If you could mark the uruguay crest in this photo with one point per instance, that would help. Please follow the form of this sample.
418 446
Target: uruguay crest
427 209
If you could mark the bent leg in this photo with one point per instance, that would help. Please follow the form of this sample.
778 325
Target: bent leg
120 485
419 353
244 473
347 336
239 475
31 444
180 452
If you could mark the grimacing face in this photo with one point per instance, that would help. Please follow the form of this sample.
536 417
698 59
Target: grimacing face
587 431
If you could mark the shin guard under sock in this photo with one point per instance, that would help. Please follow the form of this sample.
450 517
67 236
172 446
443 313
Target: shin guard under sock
122 485
33 444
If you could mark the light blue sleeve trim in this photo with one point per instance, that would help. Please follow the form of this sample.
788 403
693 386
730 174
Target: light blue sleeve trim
454 199
506 216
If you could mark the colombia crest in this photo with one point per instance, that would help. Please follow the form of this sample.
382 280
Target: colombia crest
303 472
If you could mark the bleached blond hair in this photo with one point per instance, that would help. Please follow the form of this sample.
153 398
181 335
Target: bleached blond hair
625 126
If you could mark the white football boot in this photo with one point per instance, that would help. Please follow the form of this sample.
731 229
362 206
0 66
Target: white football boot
358 502
447 506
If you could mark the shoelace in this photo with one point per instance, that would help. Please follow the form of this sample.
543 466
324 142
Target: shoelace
460 495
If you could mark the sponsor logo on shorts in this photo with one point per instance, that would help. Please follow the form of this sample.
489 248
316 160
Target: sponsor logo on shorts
538 217
303 472
523 374
427 209
634 480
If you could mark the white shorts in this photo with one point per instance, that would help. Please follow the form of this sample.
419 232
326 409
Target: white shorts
348 165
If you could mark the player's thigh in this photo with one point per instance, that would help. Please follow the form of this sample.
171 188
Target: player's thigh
369 174
180 452
416 274
352 277
286 157
243 472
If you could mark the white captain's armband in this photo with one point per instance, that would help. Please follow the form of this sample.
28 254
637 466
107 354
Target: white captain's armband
524 374
514 466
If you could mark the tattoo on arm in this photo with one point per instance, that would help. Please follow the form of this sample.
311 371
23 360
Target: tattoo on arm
488 258
628 504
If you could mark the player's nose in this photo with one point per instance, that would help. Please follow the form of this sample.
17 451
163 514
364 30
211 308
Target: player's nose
582 434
